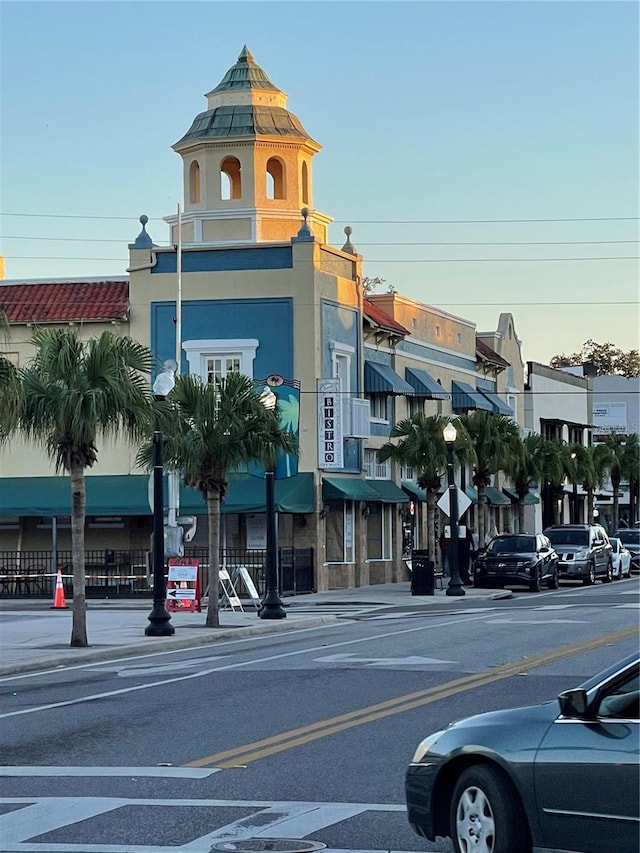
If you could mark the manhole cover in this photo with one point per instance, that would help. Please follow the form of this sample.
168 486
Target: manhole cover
275 845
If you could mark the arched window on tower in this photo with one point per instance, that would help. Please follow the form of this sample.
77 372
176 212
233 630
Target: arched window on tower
230 180
194 182
305 184
275 178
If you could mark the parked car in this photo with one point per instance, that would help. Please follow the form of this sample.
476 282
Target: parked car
621 557
517 558
558 776
630 538
584 552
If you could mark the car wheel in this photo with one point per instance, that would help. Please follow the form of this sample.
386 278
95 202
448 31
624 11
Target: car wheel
553 580
609 575
534 584
591 577
617 575
486 814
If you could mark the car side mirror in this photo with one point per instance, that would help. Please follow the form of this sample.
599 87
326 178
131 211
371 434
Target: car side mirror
573 703
544 550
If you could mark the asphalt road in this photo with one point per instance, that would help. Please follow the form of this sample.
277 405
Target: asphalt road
299 735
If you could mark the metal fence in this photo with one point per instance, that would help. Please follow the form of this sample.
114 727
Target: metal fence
114 573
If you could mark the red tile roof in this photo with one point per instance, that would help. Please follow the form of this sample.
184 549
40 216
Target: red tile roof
381 318
485 352
63 301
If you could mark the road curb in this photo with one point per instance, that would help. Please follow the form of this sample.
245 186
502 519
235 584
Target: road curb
74 657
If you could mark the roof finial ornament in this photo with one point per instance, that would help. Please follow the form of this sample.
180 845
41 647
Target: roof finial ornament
305 232
348 245
143 240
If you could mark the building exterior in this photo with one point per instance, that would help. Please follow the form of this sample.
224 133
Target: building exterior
558 405
248 282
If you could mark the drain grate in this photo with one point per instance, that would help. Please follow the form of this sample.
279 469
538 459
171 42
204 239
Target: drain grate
274 845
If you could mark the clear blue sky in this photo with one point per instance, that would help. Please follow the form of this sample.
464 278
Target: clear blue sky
426 111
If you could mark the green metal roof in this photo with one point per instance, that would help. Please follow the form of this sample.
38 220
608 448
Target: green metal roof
529 499
245 74
382 379
414 490
388 492
245 120
128 494
347 488
494 496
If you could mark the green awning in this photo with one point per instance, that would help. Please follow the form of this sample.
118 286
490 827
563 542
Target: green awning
128 494
414 491
466 397
529 499
494 496
388 492
425 385
347 489
381 379
498 405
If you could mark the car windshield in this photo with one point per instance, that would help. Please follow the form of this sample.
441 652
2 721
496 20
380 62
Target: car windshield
630 536
512 544
568 537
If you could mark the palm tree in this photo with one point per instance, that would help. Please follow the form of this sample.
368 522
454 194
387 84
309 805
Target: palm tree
495 440
422 448
524 469
9 387
211 430
557 469
582 471
594 475
74 393
621 460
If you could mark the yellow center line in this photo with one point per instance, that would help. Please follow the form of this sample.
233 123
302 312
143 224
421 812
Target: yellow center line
322 728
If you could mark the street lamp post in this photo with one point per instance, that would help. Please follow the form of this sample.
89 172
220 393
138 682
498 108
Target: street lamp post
159 620
455 585
272 607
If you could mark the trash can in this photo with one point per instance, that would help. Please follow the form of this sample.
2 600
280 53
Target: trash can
422 573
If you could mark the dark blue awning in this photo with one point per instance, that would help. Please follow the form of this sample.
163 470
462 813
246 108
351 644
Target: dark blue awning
466 397
425 385
381 379
498 405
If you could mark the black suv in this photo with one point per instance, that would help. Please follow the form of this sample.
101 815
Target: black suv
584 552
517 558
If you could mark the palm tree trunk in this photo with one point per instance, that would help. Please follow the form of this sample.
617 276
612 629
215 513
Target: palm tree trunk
615 485
431 525
78 506
521 522
213 513
482 517
590 503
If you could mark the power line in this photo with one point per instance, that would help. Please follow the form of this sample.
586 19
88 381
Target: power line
418 243
372 260
357 221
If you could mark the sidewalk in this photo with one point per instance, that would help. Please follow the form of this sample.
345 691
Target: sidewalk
35 637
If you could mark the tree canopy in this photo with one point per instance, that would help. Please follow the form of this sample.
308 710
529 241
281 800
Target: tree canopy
607 359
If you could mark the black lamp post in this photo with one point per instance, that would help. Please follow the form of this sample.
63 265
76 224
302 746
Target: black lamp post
272 607
455 585
159 620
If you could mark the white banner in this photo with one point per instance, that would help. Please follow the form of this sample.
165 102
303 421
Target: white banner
610 416
329 424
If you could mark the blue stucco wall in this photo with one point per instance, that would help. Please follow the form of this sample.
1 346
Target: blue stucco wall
341 324
268 320
465 362
217 260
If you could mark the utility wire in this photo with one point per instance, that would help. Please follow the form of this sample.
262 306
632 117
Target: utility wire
370 260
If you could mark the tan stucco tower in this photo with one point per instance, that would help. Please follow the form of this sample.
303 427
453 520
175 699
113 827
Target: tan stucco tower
247 165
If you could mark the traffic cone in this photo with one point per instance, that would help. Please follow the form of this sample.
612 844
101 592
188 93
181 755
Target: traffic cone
59 602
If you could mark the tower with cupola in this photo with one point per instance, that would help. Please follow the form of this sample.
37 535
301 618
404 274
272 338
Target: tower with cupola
247 165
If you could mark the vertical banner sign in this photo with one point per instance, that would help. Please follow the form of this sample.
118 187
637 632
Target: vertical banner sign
329 424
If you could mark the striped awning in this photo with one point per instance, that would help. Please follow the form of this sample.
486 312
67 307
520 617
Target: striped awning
498 405
466 397
425 385
382 379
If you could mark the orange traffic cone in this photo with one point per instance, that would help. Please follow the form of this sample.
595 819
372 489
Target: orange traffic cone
59 602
